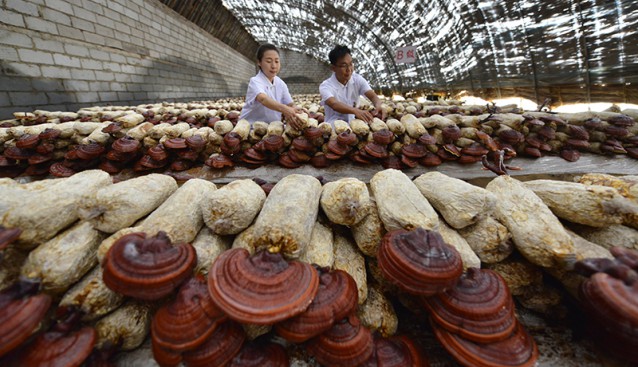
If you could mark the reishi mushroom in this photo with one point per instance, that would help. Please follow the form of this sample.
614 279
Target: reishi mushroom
346 344
479 307
187 321
419 261
336 298
147 268
257 289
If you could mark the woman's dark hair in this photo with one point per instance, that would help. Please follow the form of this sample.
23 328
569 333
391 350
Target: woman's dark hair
265 47
338 52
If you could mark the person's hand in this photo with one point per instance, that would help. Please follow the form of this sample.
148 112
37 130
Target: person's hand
380 112
363 115
290 117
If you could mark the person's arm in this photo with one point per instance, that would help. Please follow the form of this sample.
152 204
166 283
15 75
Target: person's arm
341 107
288 111
376 101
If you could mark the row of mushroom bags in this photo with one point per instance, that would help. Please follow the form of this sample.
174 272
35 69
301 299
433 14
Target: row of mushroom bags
306 272
181 136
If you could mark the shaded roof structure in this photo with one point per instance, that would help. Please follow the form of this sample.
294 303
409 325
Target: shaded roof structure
497 48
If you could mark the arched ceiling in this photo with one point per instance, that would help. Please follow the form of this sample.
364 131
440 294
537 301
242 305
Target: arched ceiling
460 43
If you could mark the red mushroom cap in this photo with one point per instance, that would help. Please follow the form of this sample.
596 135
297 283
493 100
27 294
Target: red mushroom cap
27 141
336 298
196 142
59 170
219 349
398 351
126 145
383 137
175 143
256 354
431 160
147 268
157 152
346 344
419 261
20 318
59 349
90 151
517 350
257 289
187 321
478 308
219 161
347 138
376 150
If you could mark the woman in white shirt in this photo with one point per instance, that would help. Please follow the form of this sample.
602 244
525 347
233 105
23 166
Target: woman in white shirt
268 98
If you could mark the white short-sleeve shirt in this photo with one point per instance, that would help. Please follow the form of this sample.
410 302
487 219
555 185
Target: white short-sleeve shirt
348 94
253 110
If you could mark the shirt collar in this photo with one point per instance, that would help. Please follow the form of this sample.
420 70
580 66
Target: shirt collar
264 78
334 76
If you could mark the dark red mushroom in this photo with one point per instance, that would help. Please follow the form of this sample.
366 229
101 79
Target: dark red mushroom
419 261
273 143
257 289
219 349
475 149
336 298
187 321
511 136
346 344
196 142
578 132
157 152
479 307
398 351
610 298
90 151
50 134
347 138
175 143
383 137
59 349
414 151
59 170
451 133
219 161
392 162
260 354
27 141
126 145
319 160
430 160
338 148
517 350
302 144
22 312
147 268
17 153
376 150
287 162
313 133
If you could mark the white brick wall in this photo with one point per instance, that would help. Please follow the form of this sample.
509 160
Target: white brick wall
66 54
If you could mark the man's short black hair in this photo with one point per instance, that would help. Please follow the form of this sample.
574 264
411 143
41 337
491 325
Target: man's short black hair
338 52
265 47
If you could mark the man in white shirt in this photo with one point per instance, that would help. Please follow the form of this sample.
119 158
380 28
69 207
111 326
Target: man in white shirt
340 93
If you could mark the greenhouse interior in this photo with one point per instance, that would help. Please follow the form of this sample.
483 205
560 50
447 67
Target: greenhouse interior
167 166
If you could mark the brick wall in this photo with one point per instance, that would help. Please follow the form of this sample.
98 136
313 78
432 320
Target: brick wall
302 73
63 55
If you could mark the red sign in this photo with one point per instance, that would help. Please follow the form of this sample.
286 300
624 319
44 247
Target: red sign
405 55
